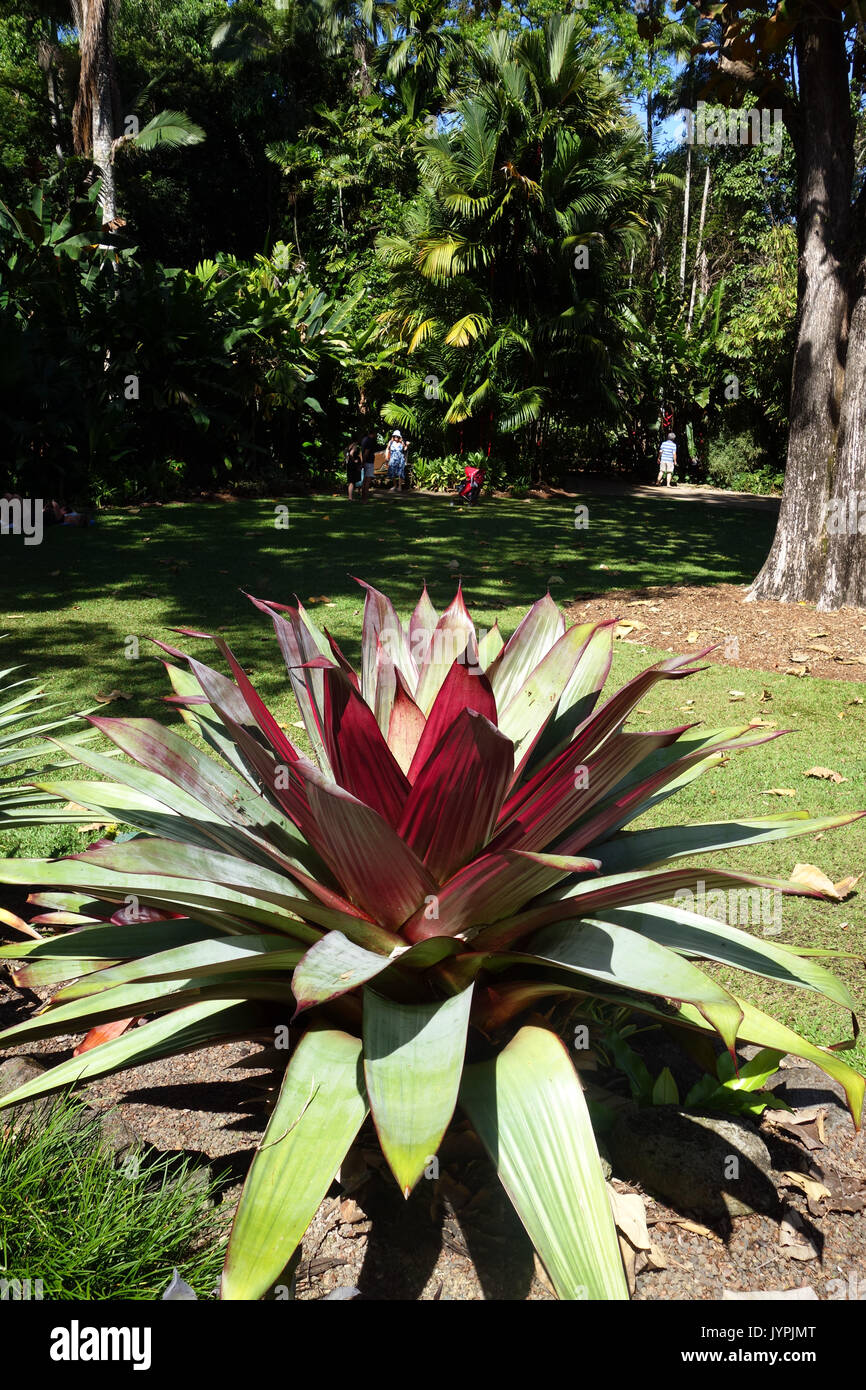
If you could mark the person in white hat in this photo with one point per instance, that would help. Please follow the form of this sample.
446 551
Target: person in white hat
395 455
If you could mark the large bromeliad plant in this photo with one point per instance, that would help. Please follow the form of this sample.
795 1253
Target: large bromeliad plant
454 856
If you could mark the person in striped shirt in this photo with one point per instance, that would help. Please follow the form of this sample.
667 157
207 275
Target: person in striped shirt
667 460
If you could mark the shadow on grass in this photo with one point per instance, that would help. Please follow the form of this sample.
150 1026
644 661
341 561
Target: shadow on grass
71 604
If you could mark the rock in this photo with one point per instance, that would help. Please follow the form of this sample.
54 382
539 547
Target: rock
116 1137
711 1165
15 1071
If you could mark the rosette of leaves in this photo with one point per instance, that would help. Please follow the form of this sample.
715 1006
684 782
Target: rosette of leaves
455 856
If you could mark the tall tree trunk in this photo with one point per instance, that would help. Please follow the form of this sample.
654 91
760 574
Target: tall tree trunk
94 117
686 220
844 576
796 565
699 249
46 56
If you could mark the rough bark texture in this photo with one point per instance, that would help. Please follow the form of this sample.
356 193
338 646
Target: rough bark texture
685 241
844 576
94 119
700 254
795 567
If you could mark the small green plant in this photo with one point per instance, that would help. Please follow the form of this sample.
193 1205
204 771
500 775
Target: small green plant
87 1229
438 474
22 743
734 1090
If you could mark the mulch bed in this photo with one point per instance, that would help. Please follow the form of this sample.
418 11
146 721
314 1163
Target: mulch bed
457 1238
763 636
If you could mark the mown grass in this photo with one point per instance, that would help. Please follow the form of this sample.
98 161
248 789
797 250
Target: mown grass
72 605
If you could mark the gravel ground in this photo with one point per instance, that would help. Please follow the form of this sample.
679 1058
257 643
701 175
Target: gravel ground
457 1237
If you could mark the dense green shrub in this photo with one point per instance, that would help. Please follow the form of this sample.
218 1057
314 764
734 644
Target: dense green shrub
735 459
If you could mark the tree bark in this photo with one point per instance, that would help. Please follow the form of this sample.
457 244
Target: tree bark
844 575
103 122
796 567
94 117
686 196
699 249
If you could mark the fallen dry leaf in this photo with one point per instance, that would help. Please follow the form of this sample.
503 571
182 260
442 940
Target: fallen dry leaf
350 1212
813 1189
734 695
692 637
779 791
696 1227
826 772
804 1116
629 1215
629 1261
763 724
800 656
112 695
796 670
792 1241
813 877
819 647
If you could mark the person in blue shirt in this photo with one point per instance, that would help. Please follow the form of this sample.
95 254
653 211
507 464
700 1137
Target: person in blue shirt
667 460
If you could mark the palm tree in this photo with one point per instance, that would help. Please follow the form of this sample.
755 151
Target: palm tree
421 48
506 280
363 23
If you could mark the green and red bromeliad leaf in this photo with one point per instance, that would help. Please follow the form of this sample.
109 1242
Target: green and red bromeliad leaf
453 855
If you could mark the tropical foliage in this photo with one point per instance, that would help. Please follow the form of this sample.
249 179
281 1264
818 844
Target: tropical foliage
482 196
456 852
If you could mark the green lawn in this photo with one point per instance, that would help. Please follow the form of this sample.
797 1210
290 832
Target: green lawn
70 605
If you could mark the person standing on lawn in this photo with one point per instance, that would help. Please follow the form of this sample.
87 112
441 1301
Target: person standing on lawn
667 460
396 458
354 468
368 457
